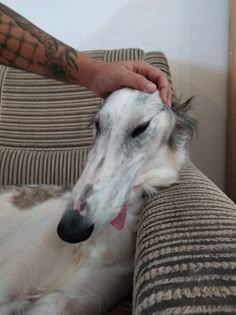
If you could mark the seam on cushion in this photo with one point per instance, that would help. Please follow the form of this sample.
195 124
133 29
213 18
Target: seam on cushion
43 149
2 84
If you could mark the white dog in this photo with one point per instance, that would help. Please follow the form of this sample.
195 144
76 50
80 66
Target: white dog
72 253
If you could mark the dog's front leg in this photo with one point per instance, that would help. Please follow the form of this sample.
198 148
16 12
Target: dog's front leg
54 304
90 291
97 290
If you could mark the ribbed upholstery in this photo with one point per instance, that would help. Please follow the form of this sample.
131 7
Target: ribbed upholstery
186 250
45 125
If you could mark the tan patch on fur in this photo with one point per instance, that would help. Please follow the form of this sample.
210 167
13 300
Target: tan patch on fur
29 196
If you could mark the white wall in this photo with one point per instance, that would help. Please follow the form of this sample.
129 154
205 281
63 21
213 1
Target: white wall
192 33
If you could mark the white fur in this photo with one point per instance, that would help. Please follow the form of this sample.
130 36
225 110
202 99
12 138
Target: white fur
42 275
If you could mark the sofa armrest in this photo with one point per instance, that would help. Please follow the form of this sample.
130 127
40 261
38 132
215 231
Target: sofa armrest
186 250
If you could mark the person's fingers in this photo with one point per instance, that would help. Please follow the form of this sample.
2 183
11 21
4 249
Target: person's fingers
154 74
149 87
169 98
137 75
138 81
164 95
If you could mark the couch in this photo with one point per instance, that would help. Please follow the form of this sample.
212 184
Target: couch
185 260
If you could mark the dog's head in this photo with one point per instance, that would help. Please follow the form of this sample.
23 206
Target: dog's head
139 143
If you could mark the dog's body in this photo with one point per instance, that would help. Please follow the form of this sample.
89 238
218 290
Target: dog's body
37 266
135 149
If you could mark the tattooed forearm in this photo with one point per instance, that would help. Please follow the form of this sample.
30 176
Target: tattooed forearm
25 46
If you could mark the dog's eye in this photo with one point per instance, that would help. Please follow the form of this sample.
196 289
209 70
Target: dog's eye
97 126
140 129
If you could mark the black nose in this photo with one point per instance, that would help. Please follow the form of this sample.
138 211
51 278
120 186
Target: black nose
74 228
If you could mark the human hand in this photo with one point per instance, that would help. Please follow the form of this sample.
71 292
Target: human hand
108 77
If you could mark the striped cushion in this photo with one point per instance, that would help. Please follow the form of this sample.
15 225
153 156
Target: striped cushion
45 125
186 251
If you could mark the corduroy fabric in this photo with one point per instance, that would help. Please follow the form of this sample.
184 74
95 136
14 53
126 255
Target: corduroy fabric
186 250
45 125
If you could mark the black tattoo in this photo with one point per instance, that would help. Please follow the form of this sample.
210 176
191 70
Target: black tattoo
60 58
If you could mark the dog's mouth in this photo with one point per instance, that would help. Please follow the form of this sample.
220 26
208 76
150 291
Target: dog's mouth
74 228
119 221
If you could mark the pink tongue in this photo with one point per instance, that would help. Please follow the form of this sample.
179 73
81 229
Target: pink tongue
119 221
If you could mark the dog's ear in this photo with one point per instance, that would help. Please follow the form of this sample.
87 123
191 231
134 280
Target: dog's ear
183 131
186 126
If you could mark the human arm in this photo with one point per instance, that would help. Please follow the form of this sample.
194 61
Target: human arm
25 46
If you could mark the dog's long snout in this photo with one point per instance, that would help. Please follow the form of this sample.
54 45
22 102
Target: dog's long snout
74 227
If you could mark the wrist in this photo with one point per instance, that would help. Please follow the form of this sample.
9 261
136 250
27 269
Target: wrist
87 70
